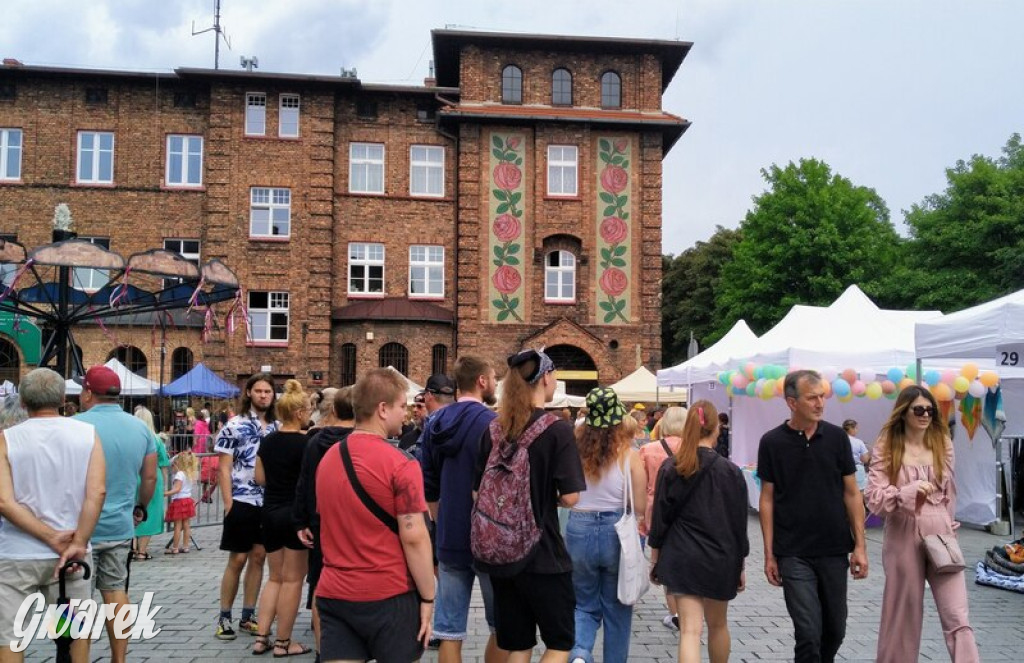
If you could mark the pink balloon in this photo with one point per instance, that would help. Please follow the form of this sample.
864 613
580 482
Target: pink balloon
749 370
888 386
849 375
948 376
739 381
858 388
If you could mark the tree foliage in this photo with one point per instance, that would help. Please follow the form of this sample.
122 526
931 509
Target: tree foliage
689 283
810 235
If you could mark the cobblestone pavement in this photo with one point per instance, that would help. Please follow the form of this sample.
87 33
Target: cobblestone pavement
186 587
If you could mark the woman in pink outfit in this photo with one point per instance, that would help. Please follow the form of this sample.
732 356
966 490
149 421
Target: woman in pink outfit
910 484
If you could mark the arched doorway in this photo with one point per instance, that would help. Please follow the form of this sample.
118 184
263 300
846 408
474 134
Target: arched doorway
575 367
10 361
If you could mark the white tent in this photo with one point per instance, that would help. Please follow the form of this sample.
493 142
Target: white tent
131 384
641 386
736 343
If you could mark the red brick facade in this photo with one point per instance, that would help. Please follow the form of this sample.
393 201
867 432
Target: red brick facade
319 168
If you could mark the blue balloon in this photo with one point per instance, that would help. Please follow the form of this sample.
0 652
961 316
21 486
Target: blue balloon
932 377
895 375
841 387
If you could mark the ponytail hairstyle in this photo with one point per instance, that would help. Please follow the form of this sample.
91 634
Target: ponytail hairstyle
526 370
701 423
293 403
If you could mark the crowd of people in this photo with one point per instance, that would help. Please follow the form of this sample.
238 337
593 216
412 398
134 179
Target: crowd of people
391 523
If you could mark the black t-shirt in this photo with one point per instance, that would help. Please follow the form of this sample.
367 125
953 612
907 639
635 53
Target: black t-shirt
555 469
281 454
810 514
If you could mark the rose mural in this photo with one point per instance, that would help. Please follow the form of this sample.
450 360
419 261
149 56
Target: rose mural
506 231
613 230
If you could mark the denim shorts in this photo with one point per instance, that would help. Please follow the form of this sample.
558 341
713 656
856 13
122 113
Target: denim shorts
454 590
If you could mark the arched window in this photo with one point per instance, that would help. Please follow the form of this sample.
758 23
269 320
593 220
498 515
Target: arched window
10 362
611 90
181 362
561 88
560 277
133 359
512 85
439 360
348 364
396 356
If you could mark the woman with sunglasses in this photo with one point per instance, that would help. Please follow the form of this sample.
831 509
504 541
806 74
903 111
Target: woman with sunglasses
910 484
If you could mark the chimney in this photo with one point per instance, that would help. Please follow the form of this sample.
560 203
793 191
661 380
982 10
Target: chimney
430 81
12 62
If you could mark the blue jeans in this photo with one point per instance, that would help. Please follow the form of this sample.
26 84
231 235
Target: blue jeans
594 548
815 591
454 590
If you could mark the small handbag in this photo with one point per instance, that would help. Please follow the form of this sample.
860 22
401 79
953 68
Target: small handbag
943 553
633 579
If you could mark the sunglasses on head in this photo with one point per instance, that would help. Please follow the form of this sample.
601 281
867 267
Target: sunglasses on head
923 410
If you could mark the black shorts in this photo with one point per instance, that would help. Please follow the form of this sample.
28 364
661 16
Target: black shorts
363 630
278 529
527 601
242 528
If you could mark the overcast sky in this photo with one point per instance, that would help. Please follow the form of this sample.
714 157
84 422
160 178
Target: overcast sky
888 92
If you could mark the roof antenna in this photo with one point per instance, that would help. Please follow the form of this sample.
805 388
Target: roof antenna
219 34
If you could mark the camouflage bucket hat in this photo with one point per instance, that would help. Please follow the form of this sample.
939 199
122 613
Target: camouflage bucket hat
605 408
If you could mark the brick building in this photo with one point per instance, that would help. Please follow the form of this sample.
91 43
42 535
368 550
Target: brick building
512 200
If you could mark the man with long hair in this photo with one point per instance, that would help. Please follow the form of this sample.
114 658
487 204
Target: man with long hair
237 444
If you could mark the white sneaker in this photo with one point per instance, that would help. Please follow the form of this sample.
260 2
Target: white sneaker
578 660
671 621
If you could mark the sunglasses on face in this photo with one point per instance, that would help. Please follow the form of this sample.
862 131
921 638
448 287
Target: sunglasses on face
923 411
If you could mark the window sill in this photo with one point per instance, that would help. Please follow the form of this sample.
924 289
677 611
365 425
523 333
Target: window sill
10 182
571 199
368 194
273 239
366 295
266 344
199 188
426 196
94 185
427 298
560 302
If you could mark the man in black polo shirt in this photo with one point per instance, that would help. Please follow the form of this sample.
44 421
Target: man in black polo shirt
812 517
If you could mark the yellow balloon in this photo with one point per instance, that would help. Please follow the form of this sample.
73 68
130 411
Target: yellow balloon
989 378
969 371
873 391
961 384
847 398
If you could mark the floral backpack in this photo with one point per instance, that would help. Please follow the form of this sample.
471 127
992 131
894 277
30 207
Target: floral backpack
504 532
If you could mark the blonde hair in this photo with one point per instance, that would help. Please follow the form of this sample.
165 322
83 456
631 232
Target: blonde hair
673 421
293 402
186 462
142 412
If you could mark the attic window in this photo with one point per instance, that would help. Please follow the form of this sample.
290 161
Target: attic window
185 99
366 109
8 90
425 113
95 95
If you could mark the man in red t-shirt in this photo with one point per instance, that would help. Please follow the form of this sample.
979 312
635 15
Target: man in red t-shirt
376 590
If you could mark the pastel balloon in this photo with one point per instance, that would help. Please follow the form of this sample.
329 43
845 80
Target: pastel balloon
751 389
780 387
759 372
849 375
873 391
828 389
892 396
942 392
888 387
905 382
894 374
829 374
739 381
989 378
961 384
949 376
749 369
969 370
841 387
932 377
846 399
912 371
858 388
766 394
977 389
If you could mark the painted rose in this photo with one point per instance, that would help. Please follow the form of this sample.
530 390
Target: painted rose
513 143
507 176
614 179
506 279
614 281
614 229
620 145
506 227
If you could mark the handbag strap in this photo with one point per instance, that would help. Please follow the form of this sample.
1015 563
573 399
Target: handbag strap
364 497
627 486
664 445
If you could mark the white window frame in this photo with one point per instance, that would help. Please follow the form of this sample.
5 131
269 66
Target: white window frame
255 113
368 255
364 164
273 201
87 278
291 113
564 275
431 168
188 179
11 154
563 166
277 305
176 245
95 157
430 259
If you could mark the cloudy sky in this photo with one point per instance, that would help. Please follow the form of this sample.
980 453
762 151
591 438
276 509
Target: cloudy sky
888 92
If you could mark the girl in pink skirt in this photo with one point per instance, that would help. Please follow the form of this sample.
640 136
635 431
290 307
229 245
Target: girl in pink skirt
182 509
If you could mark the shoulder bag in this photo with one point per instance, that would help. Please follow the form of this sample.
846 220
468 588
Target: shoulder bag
633 579
346 459
943 553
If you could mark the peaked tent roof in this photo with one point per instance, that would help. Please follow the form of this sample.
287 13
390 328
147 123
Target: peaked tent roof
201 381
411 388
642 386
131 384
737 342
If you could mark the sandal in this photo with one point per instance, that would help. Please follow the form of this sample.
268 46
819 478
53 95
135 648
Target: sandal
141 556
286 646
183 550
262 645
170 551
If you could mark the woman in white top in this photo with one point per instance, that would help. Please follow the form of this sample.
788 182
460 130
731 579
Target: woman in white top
861 455
606 449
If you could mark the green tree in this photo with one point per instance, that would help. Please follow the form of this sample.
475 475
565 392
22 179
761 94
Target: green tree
809 236
688 288
967 243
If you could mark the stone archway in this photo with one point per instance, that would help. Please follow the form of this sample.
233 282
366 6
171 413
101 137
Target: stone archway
575 367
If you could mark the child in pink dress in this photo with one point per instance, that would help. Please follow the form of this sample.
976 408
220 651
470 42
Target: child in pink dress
910 484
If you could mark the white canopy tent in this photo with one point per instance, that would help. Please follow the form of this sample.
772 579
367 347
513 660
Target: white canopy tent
736 343
131 384
641 386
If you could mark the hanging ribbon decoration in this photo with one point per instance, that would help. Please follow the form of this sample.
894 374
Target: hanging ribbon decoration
21 272
106 332
208 323
237 307
162 315
194 299
120 293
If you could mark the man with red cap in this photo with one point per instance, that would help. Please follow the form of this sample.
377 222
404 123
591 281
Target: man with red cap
130 454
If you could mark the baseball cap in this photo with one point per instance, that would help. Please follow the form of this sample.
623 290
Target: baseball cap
100 380
440 384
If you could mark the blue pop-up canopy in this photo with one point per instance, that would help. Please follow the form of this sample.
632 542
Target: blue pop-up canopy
201 381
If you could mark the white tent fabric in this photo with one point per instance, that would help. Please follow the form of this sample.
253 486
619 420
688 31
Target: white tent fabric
736 343
131 384
641 386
